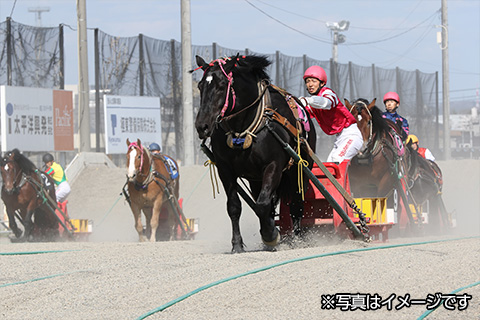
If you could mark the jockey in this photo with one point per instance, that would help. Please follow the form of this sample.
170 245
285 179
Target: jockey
332 116
154 148
392 101
56 172
424 152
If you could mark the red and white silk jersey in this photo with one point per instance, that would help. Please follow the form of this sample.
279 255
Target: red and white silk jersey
334 119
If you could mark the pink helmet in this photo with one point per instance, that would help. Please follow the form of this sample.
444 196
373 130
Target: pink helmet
391 96
315 72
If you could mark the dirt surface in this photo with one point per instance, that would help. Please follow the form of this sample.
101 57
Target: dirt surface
112 276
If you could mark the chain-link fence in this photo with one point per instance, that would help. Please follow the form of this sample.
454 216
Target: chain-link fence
143 66
151 67
31 56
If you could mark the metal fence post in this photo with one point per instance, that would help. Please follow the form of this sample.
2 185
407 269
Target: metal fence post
97 90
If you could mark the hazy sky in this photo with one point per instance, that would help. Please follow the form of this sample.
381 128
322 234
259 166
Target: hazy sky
387 33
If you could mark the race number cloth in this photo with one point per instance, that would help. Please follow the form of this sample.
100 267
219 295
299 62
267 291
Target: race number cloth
172 167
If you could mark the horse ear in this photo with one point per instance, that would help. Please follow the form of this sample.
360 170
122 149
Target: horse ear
139 143
372 104
232 63
201 63
128 142
347 104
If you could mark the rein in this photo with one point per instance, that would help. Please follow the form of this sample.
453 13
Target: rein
265 85
246 137
364 105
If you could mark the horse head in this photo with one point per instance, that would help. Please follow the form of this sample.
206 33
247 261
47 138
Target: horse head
136 160
361 110
221 95
215 88
11 172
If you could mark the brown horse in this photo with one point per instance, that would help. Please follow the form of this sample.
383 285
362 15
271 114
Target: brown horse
371 171
381 168
151 188
25 189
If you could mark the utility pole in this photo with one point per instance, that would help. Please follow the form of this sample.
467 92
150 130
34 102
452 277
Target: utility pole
83 88
445 84
187 93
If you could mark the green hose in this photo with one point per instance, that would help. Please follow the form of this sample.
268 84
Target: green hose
42 278
181 298
32 252
426 313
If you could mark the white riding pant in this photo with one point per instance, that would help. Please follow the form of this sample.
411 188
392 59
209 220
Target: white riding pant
346 145
62 191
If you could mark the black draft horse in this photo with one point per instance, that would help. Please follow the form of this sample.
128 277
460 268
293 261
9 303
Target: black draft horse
239 111
426 182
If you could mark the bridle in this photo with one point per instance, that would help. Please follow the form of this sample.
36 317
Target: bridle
363 105
229 76
16 185
221 118
138 172
139 148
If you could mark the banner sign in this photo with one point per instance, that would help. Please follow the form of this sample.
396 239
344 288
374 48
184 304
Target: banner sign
133 118
63 120
35 119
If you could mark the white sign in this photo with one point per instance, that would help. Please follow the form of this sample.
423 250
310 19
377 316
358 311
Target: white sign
36 119
133 118
27 119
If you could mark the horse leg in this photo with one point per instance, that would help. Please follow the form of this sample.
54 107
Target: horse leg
296 212
234 208
137 215
28 224
147 232
12 223
271 180
154 218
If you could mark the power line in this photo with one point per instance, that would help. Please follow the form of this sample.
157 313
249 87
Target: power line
289 27
323 21
13 8
350 43
394 36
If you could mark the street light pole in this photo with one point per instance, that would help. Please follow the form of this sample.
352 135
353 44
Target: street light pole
445 84
335 46
335 27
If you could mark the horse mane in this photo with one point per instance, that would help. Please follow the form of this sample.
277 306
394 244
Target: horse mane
380 124
254 64
24 163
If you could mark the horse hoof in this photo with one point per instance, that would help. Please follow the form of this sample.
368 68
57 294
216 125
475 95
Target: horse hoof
274 242
238 248
17 240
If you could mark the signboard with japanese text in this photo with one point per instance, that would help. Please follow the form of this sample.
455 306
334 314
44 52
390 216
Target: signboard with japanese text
36 119
133 118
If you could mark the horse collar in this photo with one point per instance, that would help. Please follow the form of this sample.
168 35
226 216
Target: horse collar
244 139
